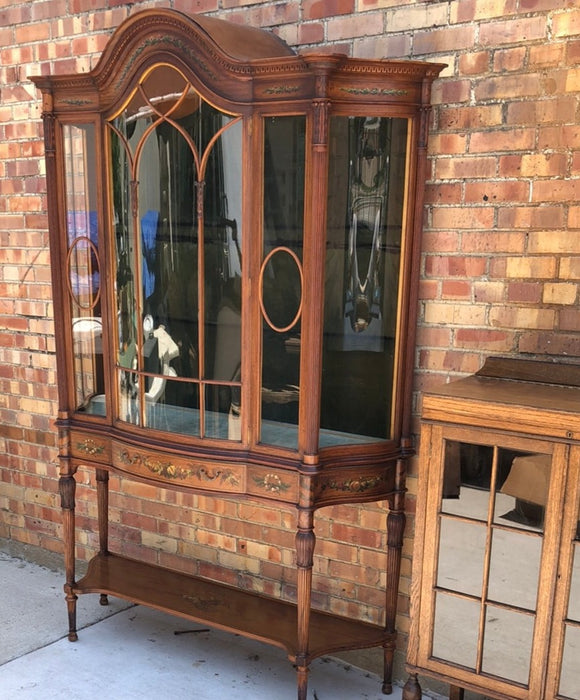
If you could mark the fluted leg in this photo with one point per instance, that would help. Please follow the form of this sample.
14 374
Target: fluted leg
305 541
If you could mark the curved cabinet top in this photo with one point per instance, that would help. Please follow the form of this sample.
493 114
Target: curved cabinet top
237 64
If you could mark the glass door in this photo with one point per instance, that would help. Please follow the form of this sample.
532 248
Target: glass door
489 583
176 164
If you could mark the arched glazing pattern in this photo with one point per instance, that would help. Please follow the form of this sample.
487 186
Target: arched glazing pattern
176 205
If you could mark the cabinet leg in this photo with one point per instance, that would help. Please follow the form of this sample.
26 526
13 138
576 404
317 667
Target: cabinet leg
71 604
389 652
102 476
395 529
305 542
412 689
67 487
302 678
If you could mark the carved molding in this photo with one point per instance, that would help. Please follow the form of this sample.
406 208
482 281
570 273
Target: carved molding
169 470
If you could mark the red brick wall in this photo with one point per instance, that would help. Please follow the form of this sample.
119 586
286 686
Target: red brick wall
500 270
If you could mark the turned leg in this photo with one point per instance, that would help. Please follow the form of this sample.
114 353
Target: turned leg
305 541
103 517
395 529
67 486
412 689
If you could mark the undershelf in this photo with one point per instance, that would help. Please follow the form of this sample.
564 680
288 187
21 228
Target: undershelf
224 607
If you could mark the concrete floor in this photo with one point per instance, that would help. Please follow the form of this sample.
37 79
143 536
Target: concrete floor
127 652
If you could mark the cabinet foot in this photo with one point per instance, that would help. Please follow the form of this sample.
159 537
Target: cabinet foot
412 689
388 655
103 599
71 604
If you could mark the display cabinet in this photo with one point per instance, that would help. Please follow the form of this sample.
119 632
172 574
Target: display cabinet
234 236
496 570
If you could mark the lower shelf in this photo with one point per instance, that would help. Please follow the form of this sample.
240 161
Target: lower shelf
224 607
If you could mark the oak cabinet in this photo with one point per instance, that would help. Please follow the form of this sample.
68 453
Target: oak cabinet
496 589
234 235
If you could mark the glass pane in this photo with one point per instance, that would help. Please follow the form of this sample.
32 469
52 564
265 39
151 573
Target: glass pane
223 412
523 493
455 630
281 286
508 644
467 479
461 556
177 165
514 568
125 254
83 271
168 226
223 259
364 237
128 388
570 674
172 406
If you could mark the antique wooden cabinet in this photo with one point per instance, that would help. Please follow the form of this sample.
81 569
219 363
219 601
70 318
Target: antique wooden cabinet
496 571
234 235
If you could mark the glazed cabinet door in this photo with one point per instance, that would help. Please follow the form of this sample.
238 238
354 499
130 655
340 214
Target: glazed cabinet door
176 229
492 533
564 667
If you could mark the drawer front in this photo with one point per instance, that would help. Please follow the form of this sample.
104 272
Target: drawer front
168 469
344 485
92 448
275 484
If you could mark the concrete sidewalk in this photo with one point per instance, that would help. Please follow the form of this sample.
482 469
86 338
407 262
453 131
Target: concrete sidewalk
127 651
